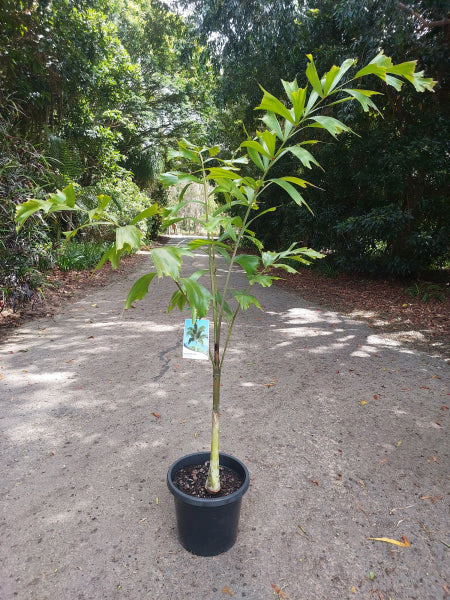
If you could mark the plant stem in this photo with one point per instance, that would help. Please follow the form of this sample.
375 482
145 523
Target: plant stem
213 480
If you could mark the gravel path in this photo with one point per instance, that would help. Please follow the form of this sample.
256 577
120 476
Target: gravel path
343 432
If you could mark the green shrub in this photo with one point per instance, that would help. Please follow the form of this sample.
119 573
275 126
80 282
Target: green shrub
80 255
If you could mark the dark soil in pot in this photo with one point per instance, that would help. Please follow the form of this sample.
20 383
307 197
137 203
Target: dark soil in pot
192 479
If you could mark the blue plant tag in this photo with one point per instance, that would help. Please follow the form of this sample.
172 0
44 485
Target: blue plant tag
196 339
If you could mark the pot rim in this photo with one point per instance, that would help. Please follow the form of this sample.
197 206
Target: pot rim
199 457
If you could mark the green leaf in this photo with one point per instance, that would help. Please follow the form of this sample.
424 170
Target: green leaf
313 254
173 177
214 151
274 105
329 78
168 261
168 179
313 97
197 274
255 241
103 201
363 98
301 182
198 297
222 173
303 155
404 68
248 262
270 120
187 151
221 250
268 258
245 300
69 195
256 158
230 187
139 289
128 237
291 190
313 77
268 139
290 87
148 212
393 81
421 83
200 243
263 280
333 77
256 146
285 267
377 66
25 210
110 254
332 125
298 103
178 300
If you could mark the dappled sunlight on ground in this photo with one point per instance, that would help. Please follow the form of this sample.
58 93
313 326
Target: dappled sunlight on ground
338 424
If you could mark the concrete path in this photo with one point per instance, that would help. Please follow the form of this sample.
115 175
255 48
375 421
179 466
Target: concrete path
343 432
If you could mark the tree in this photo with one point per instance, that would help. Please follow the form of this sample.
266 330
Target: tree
288 130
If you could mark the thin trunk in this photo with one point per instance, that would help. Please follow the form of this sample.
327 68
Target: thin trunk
213 480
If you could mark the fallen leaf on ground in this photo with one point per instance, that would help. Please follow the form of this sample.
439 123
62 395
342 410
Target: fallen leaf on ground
363 402
305 533
314 481
444 407
271 383
280 592
403 544
226 590
156 415
353 590
432 498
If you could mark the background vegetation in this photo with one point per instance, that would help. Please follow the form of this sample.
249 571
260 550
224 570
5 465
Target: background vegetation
96 92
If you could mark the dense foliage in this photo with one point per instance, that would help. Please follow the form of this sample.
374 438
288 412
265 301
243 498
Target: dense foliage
382 204
94 93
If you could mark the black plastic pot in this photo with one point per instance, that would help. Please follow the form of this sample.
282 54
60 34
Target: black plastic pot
208 526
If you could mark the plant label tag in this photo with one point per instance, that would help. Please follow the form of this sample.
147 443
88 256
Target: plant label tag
196 339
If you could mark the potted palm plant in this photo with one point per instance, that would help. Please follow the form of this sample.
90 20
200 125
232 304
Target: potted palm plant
208 521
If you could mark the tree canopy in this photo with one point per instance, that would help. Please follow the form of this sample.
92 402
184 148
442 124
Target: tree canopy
97 92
